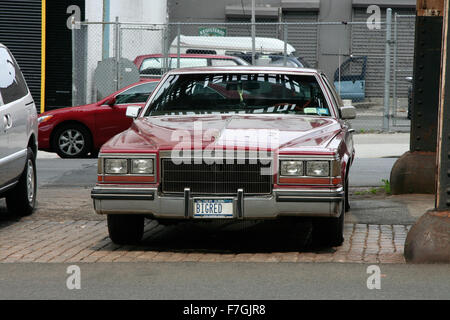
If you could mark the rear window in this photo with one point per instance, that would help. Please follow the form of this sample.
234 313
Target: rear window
189 62
154 65
239 93
12 83
223 62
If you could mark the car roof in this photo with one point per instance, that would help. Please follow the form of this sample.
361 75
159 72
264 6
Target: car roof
142 81
243 69
232 43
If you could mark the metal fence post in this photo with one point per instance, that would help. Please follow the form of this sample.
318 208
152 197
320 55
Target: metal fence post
116 51
394 94
74 84
339 70
253 32
165 49
285 30
167 44
387 69
178 44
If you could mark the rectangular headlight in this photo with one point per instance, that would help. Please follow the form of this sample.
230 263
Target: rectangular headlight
116 166
318 168
142 166
291 168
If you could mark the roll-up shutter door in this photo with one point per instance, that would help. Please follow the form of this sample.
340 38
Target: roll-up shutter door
262 30
371 43
20 31
303 37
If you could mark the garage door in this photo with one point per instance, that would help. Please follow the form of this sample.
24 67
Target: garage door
20 31
303 37
262 30
371 43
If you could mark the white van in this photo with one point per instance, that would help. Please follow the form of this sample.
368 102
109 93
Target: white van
229 45
18 138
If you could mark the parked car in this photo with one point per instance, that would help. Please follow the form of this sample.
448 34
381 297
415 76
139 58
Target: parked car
273 60
226 45
350 78
150 65
195 152
75 132
18 136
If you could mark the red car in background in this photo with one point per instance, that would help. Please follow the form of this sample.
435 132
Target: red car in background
151 64
75 132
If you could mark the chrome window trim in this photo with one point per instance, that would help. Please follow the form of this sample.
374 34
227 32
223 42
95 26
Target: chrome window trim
307 72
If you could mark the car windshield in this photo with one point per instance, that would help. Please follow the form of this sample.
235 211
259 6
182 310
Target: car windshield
136 94
239 93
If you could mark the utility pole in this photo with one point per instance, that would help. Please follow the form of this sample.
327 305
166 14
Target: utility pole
428 241
387 70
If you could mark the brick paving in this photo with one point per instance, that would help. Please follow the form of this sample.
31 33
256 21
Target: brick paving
71 241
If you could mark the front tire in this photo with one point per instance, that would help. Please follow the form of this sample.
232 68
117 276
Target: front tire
125 229
72 141
330 231
21 200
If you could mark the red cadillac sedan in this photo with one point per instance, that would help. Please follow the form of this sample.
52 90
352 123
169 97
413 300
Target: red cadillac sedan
75 132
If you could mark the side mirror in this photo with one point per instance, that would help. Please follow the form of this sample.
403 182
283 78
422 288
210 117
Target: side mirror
348 112
133 111
111 101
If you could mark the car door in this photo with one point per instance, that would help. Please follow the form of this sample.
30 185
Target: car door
346 124
3 142
14 117
111 120
350 78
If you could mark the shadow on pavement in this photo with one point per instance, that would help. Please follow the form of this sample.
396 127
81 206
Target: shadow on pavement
6 218
237 237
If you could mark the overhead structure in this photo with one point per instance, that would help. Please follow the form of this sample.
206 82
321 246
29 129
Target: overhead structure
415 171
428 241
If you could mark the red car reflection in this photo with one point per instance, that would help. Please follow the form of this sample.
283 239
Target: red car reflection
75 132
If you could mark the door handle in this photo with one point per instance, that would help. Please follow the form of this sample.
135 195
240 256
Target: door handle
7 121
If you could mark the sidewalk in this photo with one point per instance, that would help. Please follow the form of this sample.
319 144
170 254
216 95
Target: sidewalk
381 145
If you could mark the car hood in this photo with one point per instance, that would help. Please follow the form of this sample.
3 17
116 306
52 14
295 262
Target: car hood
63 110
283 132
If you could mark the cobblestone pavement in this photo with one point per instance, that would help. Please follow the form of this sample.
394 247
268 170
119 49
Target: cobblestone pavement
87 241
64 228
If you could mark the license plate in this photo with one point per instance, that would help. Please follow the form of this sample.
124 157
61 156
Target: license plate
213 208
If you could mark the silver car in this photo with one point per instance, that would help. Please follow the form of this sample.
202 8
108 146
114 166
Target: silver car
18 138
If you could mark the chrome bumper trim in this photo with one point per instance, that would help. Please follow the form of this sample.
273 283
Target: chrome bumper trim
282 202
123 194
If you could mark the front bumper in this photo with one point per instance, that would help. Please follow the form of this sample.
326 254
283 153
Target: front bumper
113 199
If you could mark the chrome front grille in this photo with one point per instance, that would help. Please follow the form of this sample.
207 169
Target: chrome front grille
216 178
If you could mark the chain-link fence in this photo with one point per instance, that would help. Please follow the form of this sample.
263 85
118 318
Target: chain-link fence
110 56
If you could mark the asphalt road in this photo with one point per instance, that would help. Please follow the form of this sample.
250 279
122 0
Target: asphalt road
83 172
228 281
364 122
